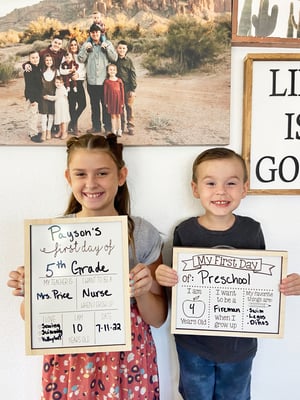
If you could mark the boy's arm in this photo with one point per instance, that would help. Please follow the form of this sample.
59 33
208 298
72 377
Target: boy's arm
166 276
132 78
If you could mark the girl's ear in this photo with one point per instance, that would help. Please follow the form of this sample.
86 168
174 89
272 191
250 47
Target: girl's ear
67 176
123 175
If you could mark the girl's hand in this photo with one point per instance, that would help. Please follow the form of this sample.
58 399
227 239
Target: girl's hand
290 285
140 280
166 276
16 281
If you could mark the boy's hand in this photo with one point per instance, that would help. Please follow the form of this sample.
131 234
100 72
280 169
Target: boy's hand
290 285
166 276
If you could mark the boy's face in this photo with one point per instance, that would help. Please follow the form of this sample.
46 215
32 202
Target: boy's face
122 50
97 18
34 58
56 44
68 57
220 186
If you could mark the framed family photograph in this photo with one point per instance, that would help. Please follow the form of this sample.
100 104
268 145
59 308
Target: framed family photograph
272 23
174 87
271 121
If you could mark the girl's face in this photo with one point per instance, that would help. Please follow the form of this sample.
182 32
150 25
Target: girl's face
112 70
94 179
68 57
73 47
58 83
48 62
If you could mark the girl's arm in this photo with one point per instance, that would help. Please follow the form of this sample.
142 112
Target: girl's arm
150 296
16 282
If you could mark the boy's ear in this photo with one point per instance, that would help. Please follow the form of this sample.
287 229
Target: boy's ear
245 189
195 190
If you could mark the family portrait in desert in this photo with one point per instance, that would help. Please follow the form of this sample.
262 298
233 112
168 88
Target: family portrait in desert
168 92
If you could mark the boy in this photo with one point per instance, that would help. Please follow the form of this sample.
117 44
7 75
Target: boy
216 367
33 92
126 72
97 19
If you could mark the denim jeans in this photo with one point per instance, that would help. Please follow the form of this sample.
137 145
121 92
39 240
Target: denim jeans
201 379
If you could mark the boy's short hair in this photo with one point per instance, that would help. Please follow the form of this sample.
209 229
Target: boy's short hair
123 43
94 28
218 153
33 52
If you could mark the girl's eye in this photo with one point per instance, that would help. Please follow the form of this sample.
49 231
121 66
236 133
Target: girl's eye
210 183
231 183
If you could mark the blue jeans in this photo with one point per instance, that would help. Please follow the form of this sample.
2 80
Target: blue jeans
201 379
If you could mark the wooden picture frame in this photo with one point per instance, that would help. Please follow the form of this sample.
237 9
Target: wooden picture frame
76 289
270 120
222 292
268 23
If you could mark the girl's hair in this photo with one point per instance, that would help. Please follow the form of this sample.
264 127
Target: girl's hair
59 78
218 153
109 146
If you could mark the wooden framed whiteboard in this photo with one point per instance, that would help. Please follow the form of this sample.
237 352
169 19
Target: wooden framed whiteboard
224 292
77 285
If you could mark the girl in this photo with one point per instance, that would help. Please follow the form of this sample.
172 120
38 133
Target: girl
114 98
62 115
97 175
77 100
46 106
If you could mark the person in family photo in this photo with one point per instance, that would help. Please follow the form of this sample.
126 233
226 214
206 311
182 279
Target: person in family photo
61 107
96 56
114 98
47 108
128 374
33 93
126 71
67 69
77 100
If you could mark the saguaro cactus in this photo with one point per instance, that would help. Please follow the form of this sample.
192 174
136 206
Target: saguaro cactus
245 20
264 23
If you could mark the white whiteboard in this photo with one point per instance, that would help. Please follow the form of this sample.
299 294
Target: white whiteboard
77 285
228 292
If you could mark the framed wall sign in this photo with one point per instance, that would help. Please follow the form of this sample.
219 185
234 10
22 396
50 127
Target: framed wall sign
225 292
271 122
77 291
273 23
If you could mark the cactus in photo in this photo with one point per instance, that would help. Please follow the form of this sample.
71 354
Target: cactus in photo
290 30
244 28
264 23
293 21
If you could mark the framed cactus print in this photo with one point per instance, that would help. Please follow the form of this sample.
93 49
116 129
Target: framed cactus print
273 23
